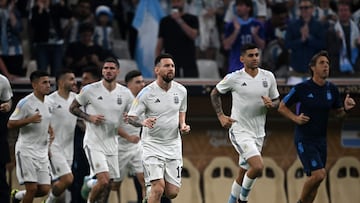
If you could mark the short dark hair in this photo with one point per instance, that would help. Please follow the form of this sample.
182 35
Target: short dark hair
311 1
162 56
86 27
248 3
246 47
38 74
279 8
61 73
318 55
94 71
112 60
132 74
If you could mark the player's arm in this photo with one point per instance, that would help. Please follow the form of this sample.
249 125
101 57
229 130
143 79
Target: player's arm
298 119
131 138
75 109
135 121
349 103
15 124
5 106
184 128
270 103
216 102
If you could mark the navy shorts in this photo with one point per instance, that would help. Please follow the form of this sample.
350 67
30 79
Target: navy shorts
312 155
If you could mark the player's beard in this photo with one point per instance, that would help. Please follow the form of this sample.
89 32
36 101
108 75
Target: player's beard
168 78
109 80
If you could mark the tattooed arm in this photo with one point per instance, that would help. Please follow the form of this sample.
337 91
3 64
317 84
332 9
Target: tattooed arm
225 121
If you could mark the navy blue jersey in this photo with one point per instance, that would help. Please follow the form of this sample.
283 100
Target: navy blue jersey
315 102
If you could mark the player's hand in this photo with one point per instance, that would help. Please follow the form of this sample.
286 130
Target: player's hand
5 107
36 118
133 139
237 25
96 119
226 121
267 102
302 119
184 129
349 103
149 122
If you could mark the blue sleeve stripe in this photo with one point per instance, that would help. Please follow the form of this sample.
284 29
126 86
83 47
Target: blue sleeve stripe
289 95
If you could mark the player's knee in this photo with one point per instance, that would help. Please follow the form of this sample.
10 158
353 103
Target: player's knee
103 182
68 179
319 175
172 194
42 190
32 190
157 190
258 169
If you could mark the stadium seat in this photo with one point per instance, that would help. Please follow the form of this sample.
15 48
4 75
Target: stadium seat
218 178
208 69
270 187
126 65
295 180
190 184
344 180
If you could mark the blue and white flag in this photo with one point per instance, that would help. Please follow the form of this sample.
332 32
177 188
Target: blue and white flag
146 20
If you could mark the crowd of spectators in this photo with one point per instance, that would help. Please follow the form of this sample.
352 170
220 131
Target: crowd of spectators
81 33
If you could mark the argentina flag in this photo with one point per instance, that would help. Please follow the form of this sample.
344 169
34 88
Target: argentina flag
146 21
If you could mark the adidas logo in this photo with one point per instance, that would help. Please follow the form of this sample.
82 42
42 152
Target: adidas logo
59 106
157 101
100 98
310 95
36 110
244 84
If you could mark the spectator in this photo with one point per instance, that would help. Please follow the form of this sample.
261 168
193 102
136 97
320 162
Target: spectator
84 53
304 37
258 11
344 46
275 55
241 30
103 35
11 52
208 42
177 34
324 13
82 14
48 38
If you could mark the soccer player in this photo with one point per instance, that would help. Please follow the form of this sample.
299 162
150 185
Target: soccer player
32 118
254 91
105 103
130 159
5 106
164 104
63 124
315 98
80 167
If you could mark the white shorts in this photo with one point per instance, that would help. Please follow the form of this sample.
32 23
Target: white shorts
156 168
58 163
247 145
130 161
30 169
99 162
